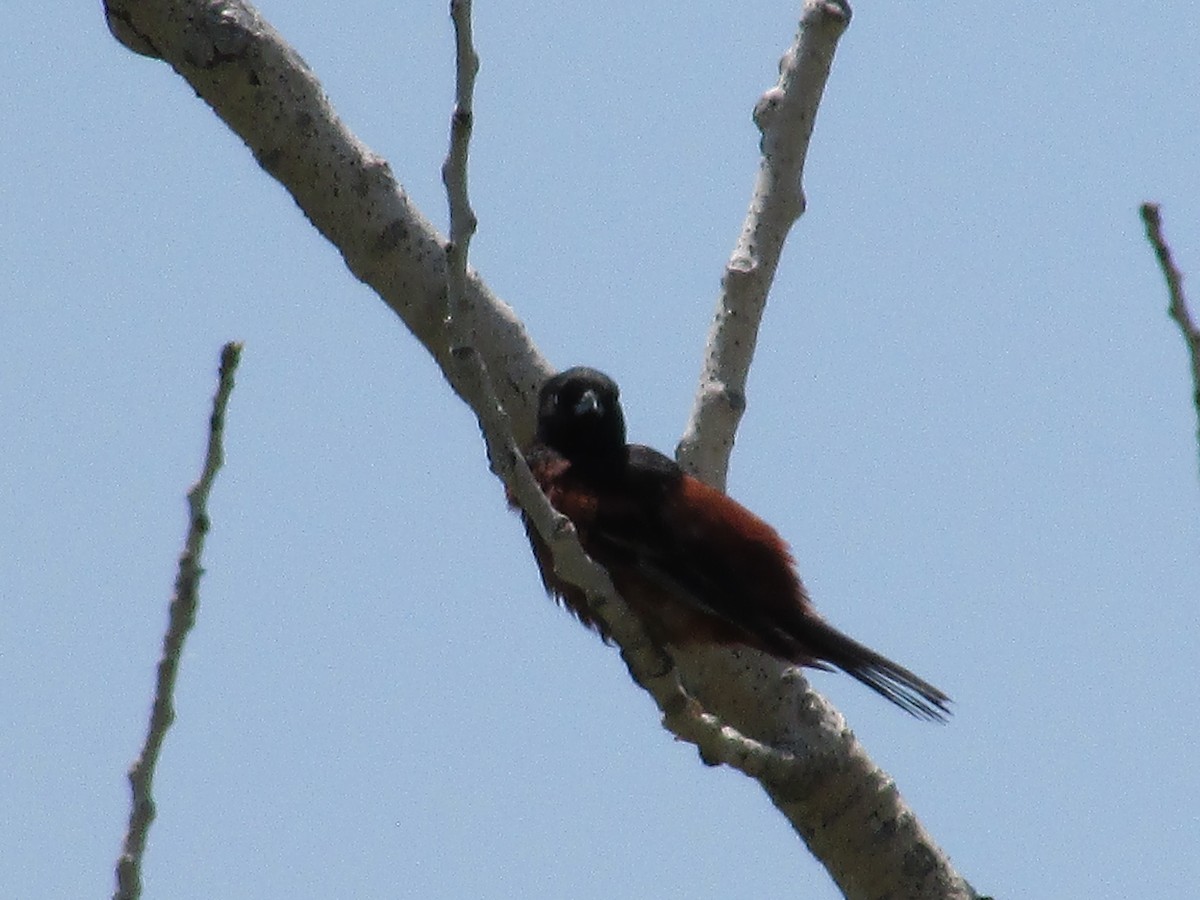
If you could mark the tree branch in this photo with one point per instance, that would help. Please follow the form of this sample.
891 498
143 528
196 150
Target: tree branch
784 115
181 617
454 176
1177 308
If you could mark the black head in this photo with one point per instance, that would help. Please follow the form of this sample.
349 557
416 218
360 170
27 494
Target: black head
579 416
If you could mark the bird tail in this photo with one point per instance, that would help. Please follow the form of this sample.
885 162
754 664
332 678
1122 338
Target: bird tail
891 680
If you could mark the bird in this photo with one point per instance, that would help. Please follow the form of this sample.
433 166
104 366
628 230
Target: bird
694 565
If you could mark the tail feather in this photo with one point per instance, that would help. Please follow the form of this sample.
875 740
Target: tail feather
889 679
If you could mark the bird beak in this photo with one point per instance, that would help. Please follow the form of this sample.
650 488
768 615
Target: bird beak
588 405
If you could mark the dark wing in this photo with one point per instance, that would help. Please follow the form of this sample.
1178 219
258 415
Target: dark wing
708 552
620 523
698 567
691 543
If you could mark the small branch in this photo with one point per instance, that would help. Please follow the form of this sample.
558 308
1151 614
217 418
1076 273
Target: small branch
460 325
1177 307
181 617
784 116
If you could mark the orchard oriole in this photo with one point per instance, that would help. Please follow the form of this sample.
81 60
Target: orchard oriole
693 565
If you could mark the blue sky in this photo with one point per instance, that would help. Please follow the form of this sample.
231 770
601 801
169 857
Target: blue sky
969 415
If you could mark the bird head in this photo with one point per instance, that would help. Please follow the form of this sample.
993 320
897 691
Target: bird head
580 417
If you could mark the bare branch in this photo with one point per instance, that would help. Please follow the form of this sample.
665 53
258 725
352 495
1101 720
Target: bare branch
835 786
181 617
1178 306
454 176
784 116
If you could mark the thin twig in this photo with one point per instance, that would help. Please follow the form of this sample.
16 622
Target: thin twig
1177 308
460 321
181 617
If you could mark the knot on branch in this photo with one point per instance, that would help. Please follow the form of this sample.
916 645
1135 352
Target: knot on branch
221 35
122 27
766 110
